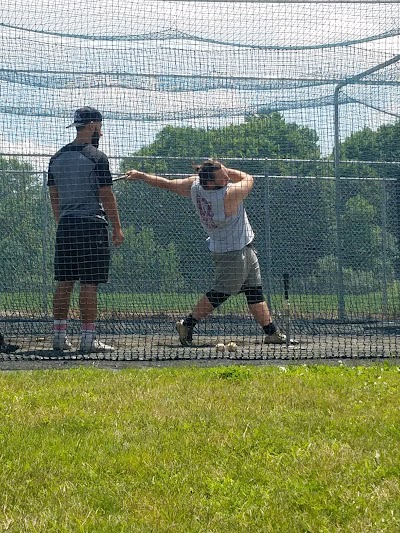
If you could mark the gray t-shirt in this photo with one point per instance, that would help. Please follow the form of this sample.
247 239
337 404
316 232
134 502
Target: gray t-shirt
78 171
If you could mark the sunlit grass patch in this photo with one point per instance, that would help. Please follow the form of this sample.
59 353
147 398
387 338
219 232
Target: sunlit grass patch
238 448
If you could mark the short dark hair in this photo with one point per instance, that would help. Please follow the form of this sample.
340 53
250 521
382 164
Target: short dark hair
206 171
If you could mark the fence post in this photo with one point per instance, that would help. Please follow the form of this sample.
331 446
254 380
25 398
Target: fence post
45 294
338 210
267 234
348 81
384 251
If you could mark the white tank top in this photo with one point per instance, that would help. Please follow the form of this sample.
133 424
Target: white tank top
225 234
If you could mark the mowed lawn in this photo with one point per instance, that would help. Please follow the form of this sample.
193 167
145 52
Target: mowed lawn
323 305
189 449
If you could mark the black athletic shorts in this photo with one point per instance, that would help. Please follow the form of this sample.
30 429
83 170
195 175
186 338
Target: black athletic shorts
82 251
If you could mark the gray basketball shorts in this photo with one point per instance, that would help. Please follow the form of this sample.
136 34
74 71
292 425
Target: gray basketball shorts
237 270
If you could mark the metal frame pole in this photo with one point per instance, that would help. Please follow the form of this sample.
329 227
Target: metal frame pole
348 81
45 292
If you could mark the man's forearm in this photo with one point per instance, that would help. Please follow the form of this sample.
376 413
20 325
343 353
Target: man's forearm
110 207
155 181
236 175
113 217
179 186
56 212
55 206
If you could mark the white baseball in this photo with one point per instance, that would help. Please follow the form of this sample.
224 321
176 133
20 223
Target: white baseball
220 347
232 347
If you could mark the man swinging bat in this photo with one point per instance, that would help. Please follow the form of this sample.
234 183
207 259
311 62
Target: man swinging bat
217 193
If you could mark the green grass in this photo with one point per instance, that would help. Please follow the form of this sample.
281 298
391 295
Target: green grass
324 305
225 449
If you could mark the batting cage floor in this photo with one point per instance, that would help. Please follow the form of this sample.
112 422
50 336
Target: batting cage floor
156 340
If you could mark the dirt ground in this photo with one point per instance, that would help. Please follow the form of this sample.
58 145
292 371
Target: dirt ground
164 350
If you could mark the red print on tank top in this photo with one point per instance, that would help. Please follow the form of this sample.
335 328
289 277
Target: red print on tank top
206 213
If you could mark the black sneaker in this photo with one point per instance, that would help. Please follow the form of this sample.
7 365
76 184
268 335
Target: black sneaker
278 338
7 348
185 333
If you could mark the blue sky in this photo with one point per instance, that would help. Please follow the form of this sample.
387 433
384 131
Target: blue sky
126 57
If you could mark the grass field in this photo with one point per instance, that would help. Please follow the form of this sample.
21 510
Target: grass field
224 449
324 305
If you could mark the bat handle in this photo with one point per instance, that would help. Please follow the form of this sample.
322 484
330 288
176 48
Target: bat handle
286 305
286 285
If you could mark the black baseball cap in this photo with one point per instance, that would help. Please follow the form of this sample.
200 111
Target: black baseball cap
86 115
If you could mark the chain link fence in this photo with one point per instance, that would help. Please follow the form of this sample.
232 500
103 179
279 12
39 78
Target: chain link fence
337 239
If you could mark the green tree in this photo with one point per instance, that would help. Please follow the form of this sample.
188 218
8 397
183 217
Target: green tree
259 136
24 233
142 265
363 239
296 211
368 145
376 154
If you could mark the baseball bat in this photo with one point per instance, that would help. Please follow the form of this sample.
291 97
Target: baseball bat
286 305
118 177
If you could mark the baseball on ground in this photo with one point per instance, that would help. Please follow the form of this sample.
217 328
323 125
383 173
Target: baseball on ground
220 347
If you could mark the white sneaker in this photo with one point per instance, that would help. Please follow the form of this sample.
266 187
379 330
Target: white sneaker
95 346
61 344
185 334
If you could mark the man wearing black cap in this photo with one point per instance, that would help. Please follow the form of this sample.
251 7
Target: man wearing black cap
83 203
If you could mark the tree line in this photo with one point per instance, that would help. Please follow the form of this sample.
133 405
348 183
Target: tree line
294 209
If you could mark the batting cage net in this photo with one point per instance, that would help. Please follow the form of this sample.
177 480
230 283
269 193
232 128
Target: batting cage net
304 97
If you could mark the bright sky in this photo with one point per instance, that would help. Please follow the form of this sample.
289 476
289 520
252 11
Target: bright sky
54 46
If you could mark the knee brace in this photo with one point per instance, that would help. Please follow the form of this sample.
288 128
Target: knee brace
216 298
254 295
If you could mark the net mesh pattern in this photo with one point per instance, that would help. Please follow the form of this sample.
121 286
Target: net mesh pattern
303 96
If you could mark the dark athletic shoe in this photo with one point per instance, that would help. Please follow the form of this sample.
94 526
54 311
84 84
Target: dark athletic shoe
7 348
278 338
185 334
